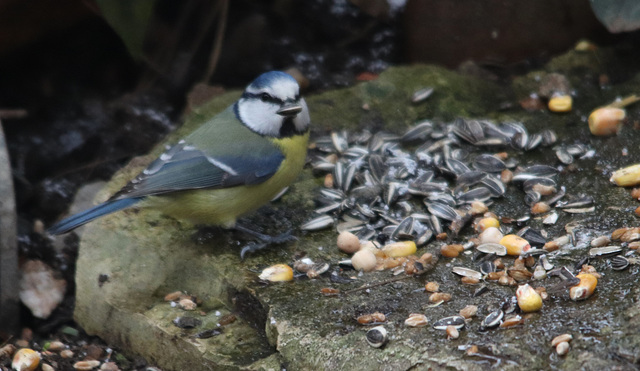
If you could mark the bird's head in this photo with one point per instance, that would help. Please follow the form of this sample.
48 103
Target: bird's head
271 105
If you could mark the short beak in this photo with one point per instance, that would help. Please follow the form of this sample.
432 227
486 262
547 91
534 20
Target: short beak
289 109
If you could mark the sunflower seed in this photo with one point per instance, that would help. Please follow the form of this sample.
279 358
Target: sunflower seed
538 183
328 208
548 137
619 263
442 211
391 192
434 224
466 272
318 223
455 321
550 219
544 171
475 194
534 237
322 165
488 163
533 141
493 319
339 141
531 198
338 175
480 290
582 202
492 248
348 176
545 263
576 149
487 267
457 167
332 194
404 230
519 140
597 252
470 178
564 156
582 210
424 237
377 337
421 95
494 185
419 132
558 196
468 130
509 305
356 153
350 225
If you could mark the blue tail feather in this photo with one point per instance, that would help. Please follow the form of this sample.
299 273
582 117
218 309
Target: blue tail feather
86 216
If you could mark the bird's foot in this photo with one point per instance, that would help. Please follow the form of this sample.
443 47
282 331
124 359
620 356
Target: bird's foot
264 240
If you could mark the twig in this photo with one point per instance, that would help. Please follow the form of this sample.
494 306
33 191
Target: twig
9 299
217 46
17 113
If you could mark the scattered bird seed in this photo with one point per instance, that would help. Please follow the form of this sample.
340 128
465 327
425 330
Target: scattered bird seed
455 321
377 336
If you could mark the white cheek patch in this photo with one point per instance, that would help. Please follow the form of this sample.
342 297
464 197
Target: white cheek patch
303 120
260 116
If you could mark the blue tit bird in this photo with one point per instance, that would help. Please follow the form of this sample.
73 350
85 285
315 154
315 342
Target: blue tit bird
235 162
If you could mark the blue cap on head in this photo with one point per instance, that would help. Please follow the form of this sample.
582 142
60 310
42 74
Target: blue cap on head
268 78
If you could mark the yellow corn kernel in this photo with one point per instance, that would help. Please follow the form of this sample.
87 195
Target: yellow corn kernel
585 46
485 223
626 177
515 245
560 103
528 299
585 288
26 360
398 249
605 121
277 273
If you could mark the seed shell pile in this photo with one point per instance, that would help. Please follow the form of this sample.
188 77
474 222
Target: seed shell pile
399 193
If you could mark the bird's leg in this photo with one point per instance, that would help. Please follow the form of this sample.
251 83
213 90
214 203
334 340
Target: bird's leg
264 239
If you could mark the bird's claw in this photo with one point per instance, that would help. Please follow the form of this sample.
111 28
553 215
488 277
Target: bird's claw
281 238
251 248
264 240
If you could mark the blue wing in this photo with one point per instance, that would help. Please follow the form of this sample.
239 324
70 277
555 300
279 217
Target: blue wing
86 216
185 167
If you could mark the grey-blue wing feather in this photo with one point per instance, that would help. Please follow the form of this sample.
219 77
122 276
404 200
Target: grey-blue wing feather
222 153
193 169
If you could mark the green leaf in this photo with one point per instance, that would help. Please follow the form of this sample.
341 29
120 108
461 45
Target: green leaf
129 18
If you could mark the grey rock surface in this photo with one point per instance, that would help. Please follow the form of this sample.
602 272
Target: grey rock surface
130 260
